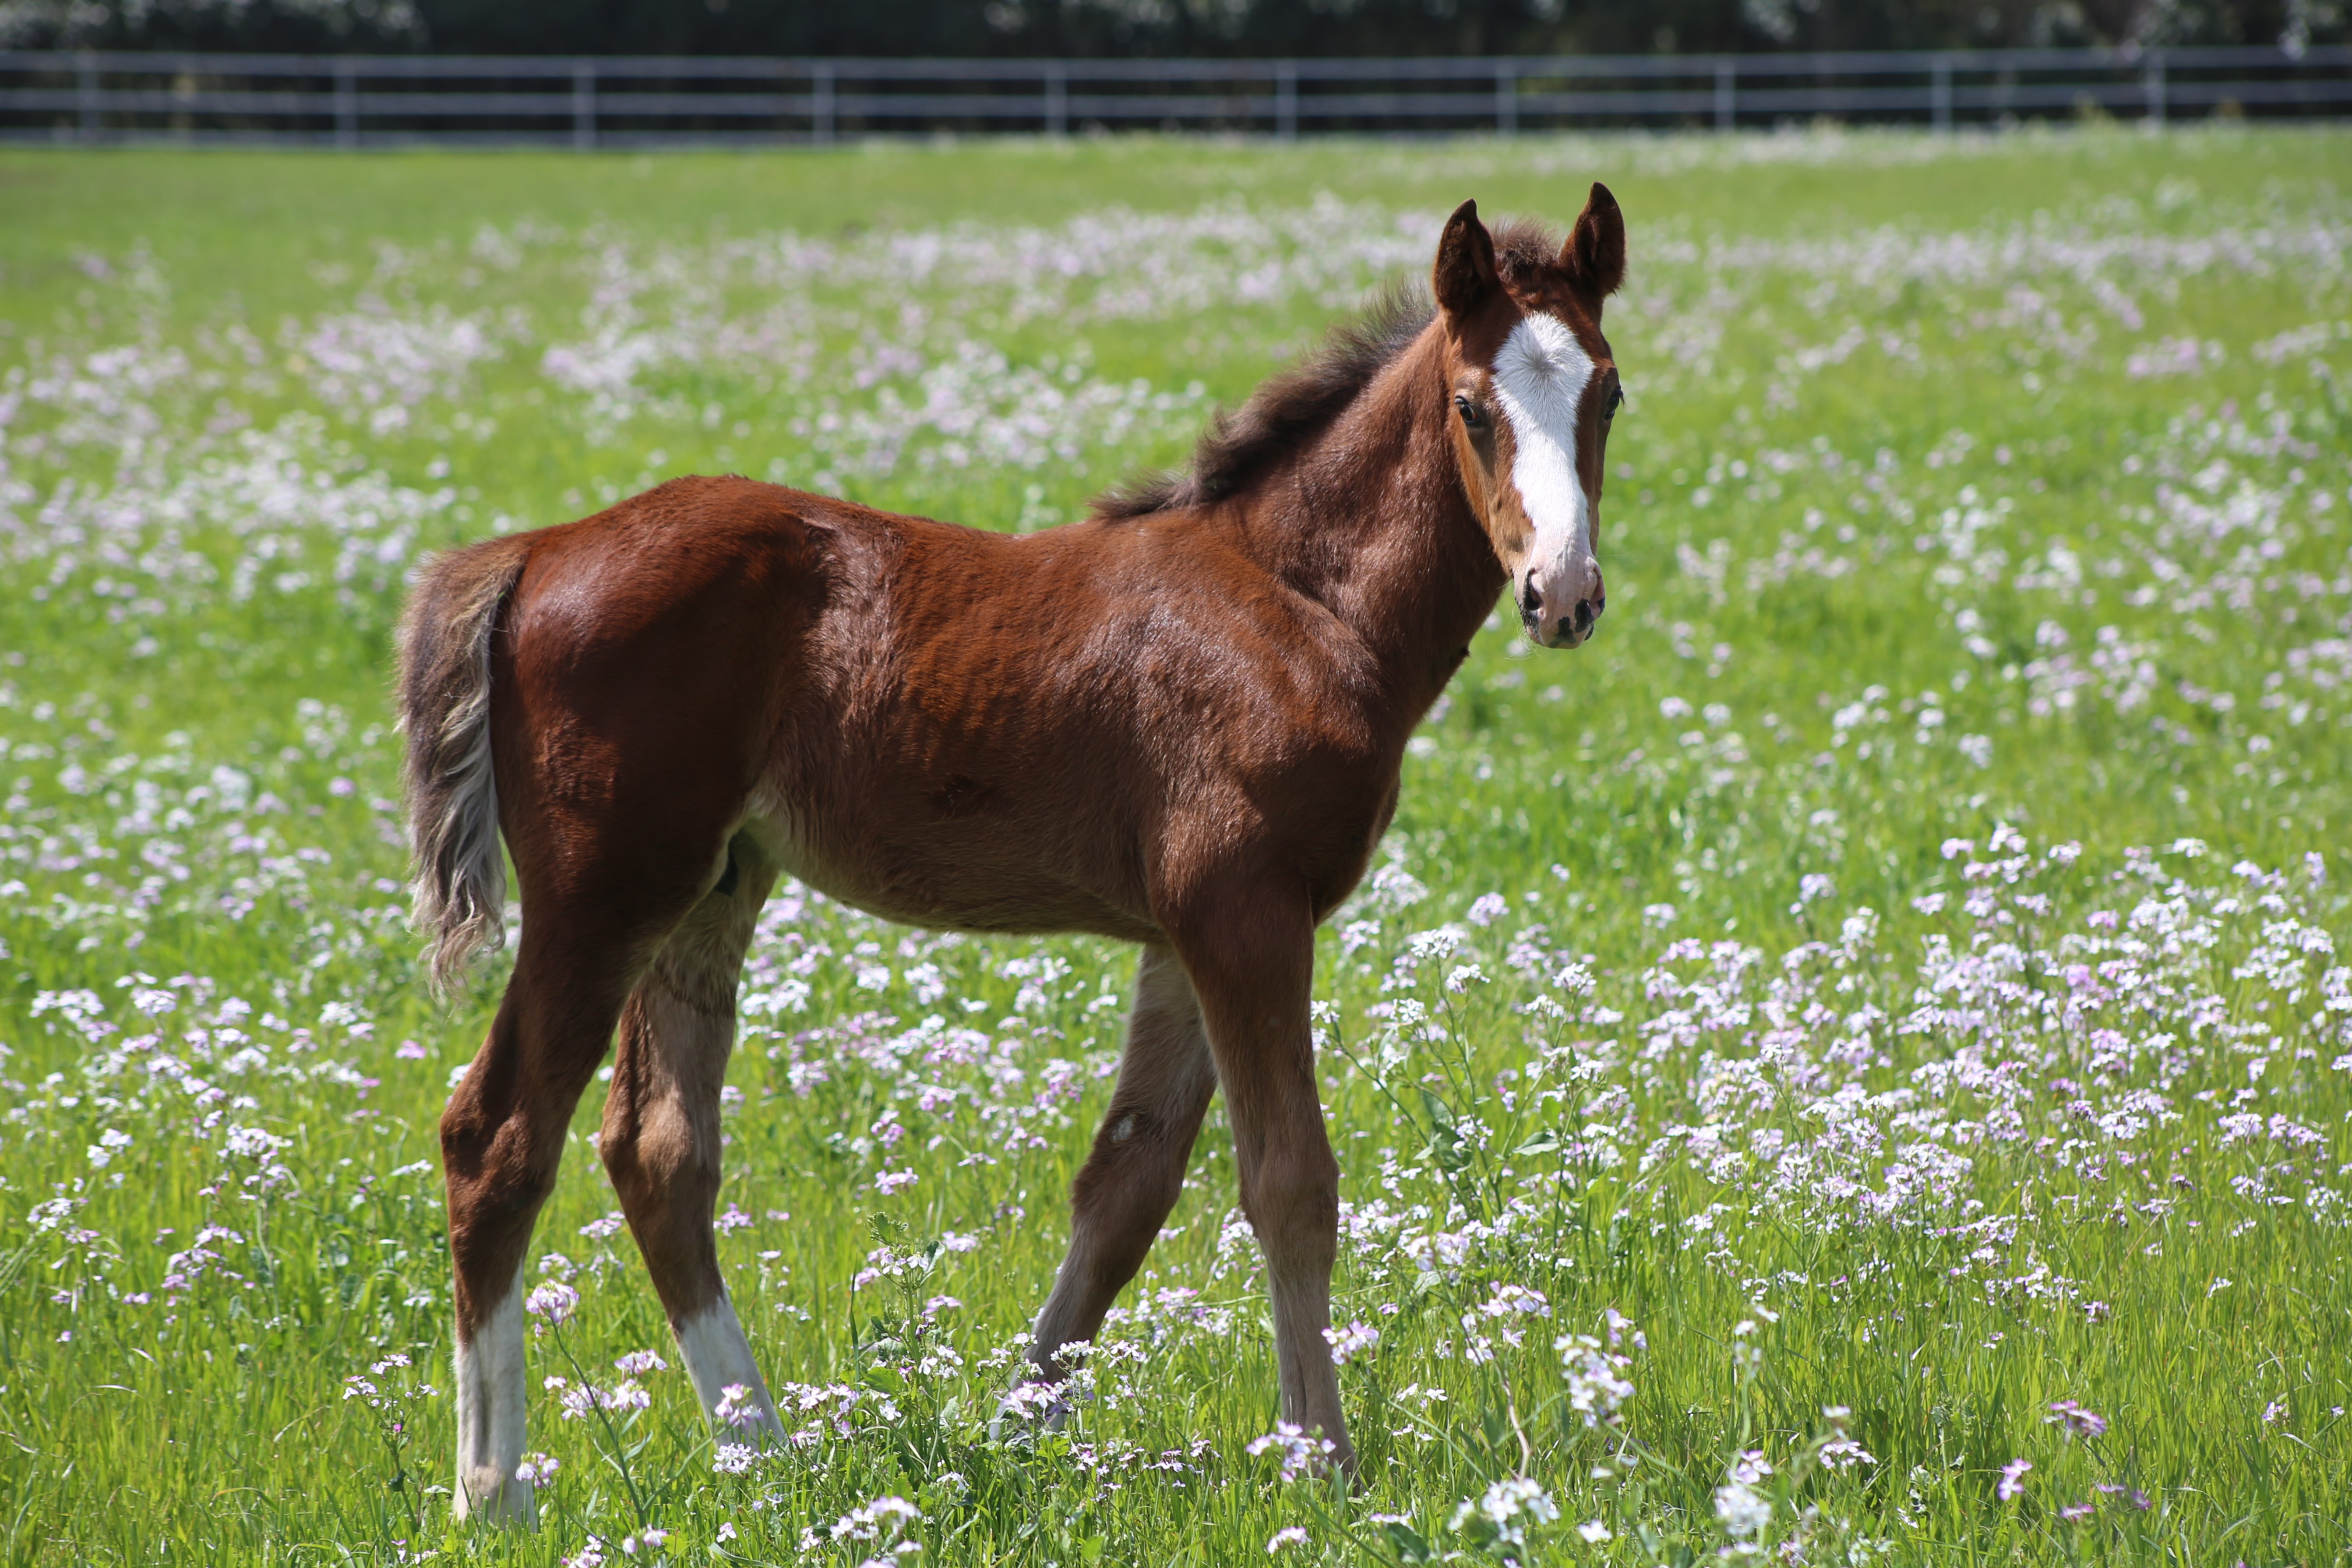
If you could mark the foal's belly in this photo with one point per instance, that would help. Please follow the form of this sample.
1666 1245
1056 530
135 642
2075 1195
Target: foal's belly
940 877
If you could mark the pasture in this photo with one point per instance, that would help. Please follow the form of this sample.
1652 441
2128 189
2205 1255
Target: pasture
1853 1065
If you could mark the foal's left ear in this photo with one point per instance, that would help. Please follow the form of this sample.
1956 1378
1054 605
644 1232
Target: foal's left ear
1594 255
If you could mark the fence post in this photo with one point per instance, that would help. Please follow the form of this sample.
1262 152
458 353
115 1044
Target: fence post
1727 94
1940 93
584 105
1507 103
347 103
1057 100
821 106
2151 82
1285 99
85 94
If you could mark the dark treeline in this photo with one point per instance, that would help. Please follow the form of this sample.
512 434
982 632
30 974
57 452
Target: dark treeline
1147 28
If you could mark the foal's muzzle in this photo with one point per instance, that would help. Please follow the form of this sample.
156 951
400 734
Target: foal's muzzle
1559 606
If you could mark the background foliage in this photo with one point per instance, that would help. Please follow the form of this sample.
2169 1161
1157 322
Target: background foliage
1084 27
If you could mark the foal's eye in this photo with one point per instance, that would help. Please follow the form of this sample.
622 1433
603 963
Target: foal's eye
1470 413
1616 401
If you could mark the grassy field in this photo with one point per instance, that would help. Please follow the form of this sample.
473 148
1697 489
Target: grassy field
1853 1066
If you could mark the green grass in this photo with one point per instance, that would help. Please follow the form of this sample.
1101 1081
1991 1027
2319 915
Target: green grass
1989 491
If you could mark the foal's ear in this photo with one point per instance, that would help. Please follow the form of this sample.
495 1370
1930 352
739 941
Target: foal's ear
1594 255
1465 263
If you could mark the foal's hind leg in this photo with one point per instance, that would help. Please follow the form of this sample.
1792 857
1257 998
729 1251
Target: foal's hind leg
502 1138
661 1140
1132 1179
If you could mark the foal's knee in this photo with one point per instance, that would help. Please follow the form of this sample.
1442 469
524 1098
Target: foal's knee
1135 1152
1294 1205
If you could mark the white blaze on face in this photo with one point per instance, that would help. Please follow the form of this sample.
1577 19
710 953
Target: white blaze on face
1540 376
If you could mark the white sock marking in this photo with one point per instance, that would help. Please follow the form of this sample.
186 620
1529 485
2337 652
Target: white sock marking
1541 374
490 1415
718 1356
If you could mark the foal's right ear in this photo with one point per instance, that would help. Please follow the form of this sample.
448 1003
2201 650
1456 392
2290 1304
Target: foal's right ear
1465 263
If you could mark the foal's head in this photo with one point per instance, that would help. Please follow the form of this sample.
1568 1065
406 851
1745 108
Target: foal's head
1533 389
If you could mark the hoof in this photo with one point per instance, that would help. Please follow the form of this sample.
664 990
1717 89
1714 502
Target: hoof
1343 1466
488 1498
1030 1407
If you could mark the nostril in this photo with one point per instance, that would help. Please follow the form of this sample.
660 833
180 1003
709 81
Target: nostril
1530 602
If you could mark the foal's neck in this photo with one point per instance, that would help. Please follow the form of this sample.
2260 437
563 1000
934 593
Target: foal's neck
1369 520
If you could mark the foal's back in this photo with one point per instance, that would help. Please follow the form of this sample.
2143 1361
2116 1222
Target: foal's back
944 725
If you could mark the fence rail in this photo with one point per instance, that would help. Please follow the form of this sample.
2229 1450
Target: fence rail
354 101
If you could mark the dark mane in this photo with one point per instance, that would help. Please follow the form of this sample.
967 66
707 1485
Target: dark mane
1287 409
1291 406
1283 412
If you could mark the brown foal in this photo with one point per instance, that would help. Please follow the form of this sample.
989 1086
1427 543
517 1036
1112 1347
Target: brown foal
1179 723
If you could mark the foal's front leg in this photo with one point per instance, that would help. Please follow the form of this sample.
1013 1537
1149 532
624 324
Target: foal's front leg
1252 964
1137 1169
